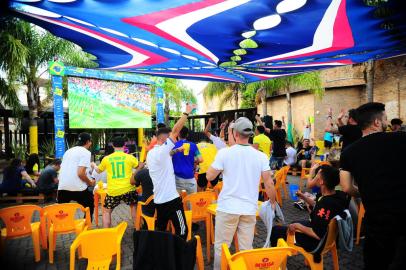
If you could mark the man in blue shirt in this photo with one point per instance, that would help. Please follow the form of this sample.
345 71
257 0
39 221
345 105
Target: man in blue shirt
184 163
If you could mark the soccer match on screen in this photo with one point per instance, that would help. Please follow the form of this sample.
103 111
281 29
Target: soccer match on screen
108 104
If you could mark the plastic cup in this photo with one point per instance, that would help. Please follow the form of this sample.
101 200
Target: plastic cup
292 190
186 149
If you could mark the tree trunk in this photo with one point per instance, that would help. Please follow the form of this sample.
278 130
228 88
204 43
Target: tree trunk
263 102
236 103
166 110
32 100
369 77
289 106
289 126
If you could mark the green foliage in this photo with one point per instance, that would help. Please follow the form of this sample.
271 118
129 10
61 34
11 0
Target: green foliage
19 150
310 81
26 51
226 92
47 149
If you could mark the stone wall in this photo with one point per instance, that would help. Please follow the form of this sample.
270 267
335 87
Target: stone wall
345 88
390 86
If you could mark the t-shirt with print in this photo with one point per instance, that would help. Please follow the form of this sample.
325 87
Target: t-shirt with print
304 153
183 166
350 134
46 179
119 167
242 166
264 144
218 142
208 152
375 161
75 157
326 208
278 137
160 167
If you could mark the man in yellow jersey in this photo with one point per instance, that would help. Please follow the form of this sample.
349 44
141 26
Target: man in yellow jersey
208 152
262 142
120 183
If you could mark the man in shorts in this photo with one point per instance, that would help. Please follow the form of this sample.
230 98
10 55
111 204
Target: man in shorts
120 180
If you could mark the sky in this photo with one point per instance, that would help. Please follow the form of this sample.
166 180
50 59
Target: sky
197 87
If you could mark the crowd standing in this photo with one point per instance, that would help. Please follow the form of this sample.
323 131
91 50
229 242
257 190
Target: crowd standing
368 168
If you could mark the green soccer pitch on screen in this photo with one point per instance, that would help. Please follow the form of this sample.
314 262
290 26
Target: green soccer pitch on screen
97 103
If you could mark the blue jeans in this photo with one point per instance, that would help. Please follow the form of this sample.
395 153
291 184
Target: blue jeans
276 162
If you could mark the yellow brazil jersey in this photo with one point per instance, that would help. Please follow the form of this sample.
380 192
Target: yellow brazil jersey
119 167
264 144
208 152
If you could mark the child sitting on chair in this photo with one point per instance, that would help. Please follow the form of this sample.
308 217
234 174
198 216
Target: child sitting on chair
326 206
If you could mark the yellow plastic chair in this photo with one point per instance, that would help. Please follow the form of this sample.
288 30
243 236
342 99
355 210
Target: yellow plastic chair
150 221
285 170
17 220
99 195
262 258
278 186
320 146
99 246
61 220
198 203
330 245
361 214
217 189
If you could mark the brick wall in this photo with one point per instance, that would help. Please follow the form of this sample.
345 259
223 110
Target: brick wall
302 107
390 86
337 99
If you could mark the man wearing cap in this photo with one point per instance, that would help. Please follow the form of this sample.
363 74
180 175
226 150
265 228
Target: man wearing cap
159 161
242 167
73 180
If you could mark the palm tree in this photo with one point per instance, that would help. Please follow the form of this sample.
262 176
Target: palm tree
26 51
176 93
310 81
227 92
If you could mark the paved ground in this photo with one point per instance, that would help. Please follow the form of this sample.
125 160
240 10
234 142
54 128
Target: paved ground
19 252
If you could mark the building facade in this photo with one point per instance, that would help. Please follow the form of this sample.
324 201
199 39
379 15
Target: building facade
345 88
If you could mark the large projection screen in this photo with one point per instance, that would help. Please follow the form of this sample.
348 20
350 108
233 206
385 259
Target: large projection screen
103 104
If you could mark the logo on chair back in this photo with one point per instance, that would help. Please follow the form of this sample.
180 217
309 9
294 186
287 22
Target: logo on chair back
201 203
264 264
61 215
17 218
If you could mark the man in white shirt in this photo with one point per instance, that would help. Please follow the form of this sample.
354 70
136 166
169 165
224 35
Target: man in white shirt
242 167
217 141
291 152
73 179
168 203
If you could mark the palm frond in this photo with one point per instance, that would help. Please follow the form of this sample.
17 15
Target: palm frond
226 97
214 89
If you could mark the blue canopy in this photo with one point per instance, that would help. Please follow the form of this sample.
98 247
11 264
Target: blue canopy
224 40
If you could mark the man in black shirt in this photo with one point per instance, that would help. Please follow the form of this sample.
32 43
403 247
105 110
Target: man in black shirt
305 154
142 178
350 131
327 205
48 179
278 138
371 168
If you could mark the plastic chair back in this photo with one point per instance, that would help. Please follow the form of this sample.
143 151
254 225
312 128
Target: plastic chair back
99 246
262 258
198 203
331 236
18 219
150 221
62 216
